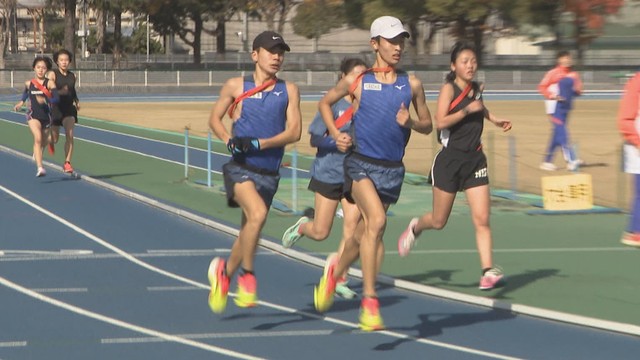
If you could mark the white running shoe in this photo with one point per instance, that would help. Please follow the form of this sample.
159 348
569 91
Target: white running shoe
547 166
292 234
41 172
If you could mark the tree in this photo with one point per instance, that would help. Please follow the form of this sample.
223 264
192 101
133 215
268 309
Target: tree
586 18
70 26
267 10
186 19
467 19
7 7
589 19
360 13
315 18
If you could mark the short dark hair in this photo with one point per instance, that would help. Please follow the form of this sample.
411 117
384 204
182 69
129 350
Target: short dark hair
348 64
62 52
47 62
562 53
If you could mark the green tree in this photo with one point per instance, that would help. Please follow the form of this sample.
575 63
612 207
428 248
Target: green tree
7 7
582 21
315 18
268 10
186 19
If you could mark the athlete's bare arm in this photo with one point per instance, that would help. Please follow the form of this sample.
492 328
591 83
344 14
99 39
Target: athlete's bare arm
444 120
423 124
343 140
230 90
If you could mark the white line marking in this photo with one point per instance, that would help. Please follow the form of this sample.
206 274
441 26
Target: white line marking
149 155
173 288
232 335
123 324
400 284
531 250
6 344
177 277
47 253
61 290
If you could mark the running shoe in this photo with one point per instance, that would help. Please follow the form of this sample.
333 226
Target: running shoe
631 239
323 293
343 290
41 172
407 239
246 295
51 148
547 166
293 233
370 319
67 167
574 165
491 278
219 285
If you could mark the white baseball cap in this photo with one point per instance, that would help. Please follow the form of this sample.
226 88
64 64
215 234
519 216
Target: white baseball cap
387 27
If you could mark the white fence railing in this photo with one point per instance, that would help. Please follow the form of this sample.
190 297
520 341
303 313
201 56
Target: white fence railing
496 80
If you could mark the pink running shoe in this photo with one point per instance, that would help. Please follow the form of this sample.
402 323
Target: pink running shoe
491 278
52 149
67 168
631 239
407 239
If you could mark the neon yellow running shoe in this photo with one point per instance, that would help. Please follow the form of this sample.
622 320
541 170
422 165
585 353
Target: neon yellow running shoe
246 296
323 293
370 319
219 285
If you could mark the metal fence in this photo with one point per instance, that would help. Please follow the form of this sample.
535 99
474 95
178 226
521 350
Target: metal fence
183 80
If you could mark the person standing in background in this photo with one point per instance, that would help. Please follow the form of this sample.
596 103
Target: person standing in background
629 125
559 87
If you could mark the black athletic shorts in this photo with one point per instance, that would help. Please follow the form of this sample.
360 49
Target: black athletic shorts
455 170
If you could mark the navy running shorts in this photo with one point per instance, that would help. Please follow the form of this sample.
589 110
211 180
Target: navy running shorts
266 182
386 176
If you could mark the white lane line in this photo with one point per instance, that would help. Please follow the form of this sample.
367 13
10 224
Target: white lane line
187 252
123 324
525 250
62 252
11 344
172 288
60 290
179 278
149 155
230 335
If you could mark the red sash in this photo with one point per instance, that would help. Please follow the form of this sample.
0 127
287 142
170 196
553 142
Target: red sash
40 87
250 93
457 100
348 114
344 118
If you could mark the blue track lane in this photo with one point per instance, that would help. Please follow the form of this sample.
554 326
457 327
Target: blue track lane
93 274
163 150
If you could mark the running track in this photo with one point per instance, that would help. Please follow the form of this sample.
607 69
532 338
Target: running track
88 273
